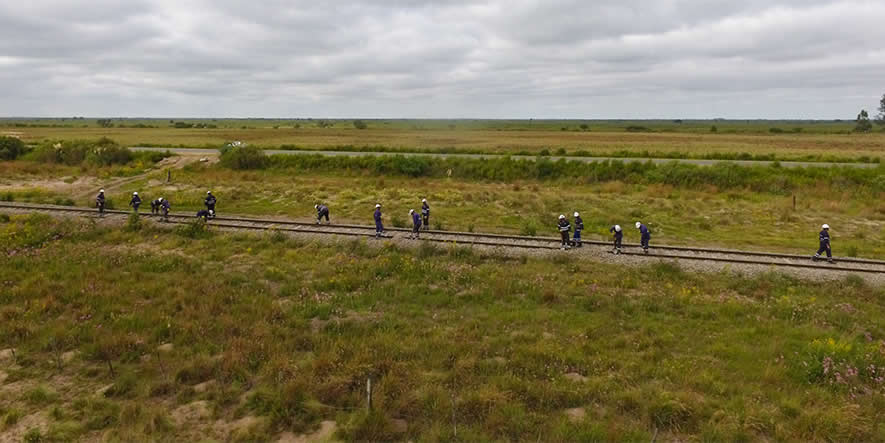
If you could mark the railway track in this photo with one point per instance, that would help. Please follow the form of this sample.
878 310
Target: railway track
846 264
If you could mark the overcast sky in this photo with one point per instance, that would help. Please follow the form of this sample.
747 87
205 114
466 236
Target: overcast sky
442 58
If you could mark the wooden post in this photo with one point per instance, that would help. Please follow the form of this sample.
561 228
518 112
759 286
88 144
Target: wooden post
794 202
369 394
168 176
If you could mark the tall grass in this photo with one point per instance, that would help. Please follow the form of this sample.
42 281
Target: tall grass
458 344
773 179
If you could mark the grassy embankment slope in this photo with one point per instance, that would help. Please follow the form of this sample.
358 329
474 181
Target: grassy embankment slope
269 334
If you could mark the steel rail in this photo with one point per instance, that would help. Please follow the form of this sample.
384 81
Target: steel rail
305 227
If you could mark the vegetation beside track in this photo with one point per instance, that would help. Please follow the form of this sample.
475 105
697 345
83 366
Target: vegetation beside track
270 334
689 213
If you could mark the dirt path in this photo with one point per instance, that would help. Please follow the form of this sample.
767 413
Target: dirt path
176 162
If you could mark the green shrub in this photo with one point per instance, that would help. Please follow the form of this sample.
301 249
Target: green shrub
11 148
33 436
102 152
243 157
196 229
134 223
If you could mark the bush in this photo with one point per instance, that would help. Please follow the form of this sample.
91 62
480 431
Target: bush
776 130
195 229
11 148
638 129
134 223
359 124
243 157
103 152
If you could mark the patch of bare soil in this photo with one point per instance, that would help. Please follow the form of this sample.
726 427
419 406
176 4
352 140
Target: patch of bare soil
16 433
228 429
575 414
324 434
6 354
191 413
575 377
317 324
50 184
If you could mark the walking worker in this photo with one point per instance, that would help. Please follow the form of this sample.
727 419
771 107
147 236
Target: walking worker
416 223
99 202
564 227
164 204
135 202
379 228
618 235
579 226
425 213
322 211
210 203
824 244
646 236
155 206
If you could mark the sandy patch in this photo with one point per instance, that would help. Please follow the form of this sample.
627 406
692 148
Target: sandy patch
17 432
191 413
205 386
324 434
6 354
68 356
576 414
575 377
166 347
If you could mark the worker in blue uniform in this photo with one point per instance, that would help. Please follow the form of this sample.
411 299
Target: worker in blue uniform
416 223
646 236
425 213
617 236
579 226
322 211
135 202
824 238
564 227
379 228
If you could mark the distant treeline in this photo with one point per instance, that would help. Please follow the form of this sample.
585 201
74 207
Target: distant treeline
773 178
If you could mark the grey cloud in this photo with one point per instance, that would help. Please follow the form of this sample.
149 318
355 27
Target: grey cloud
454 58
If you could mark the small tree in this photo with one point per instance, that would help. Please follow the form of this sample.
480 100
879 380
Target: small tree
105 123
11 148
880 119
359 124
863 122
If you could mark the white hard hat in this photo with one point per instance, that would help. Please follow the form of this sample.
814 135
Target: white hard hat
100 191
576 214
825 226
424 200
561 216
161 198
378 205
208 192
411 211
617 228
135 193
316 206
638 225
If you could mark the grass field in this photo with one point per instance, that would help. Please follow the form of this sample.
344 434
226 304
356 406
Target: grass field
699 214
149 333
817 141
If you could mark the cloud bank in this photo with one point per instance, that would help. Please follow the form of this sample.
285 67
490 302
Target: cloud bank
442 58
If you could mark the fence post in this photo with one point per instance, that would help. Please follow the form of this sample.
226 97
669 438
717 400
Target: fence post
794 202
369 394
